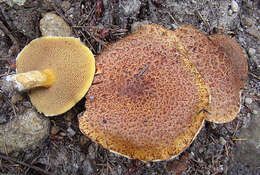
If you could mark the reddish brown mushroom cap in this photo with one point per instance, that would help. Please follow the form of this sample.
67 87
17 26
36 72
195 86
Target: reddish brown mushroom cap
235 53
146 104
218 67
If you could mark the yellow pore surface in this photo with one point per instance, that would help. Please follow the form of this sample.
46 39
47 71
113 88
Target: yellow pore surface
72 64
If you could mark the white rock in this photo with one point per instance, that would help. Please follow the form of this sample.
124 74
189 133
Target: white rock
248 100
71 131
26 130
222 141
251 52
53 25
234 6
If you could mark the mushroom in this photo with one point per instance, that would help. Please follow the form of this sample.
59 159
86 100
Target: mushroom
57 71
222 63
148 102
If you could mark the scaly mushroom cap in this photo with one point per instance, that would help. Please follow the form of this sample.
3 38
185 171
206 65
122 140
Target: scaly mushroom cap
218 68
147 102
234 52
73 65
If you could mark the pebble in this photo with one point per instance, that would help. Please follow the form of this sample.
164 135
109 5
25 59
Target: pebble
230 12
248 100
234 6
24 131
130 7
222 141
71 131
251 52
53 25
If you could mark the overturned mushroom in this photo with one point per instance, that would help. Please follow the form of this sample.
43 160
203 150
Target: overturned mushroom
58 71
147 103
222 63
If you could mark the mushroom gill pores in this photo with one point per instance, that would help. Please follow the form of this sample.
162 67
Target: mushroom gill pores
148 102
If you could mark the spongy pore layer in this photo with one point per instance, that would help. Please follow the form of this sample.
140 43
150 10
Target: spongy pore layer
147 102
72 64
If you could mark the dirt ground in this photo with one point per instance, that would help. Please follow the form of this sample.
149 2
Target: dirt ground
98 23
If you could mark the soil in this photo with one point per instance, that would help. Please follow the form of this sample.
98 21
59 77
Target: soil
97 23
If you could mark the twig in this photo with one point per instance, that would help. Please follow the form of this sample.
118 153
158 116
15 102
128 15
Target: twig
142 71
236 129
253 75
203 19
240 139
24 164
10 35
174 20
98 40
92 48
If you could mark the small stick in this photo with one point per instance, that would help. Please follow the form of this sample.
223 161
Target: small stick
253 75
174 20
87 40
239 139
142 71
24 164
203 19
236 129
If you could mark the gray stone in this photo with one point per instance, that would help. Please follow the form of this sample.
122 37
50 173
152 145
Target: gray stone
24 131
53 25
248 151
234 6
130 7
222 141
254 32
251 52
12 2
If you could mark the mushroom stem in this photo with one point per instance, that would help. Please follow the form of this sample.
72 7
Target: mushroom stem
31 79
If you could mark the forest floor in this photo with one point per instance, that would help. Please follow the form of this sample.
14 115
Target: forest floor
98 23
